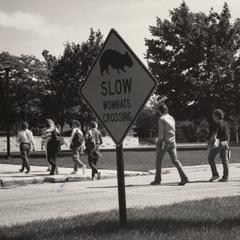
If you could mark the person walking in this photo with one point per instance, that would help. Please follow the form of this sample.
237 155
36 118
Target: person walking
44 145
167 143
26 140
49 137
76 141
218 143
93 139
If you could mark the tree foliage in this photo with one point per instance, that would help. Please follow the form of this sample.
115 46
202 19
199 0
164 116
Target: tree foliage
66 75
195 59
27 78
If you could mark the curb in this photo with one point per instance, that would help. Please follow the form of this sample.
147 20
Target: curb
10 181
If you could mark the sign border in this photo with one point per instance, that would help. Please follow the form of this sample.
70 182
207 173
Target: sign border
113 31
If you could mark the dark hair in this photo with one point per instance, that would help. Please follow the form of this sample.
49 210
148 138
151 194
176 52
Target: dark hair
76 123
163 108
49 123
24 125
93 124
218 113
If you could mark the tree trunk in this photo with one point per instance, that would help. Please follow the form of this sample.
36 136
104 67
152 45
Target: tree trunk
237 140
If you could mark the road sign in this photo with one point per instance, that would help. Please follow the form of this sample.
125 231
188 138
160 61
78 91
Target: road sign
117 87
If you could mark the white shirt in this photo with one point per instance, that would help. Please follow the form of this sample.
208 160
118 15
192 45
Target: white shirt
25 136
166 128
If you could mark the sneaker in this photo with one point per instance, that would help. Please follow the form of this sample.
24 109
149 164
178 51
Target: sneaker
213 178
83 169
74 172
155 182
48 170
223 180
183 182
27 171
20 170
98 175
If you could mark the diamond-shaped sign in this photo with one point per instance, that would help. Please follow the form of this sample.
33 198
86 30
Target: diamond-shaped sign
117 87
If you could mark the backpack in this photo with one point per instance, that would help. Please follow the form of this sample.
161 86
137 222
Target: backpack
56 138
90 143
77 139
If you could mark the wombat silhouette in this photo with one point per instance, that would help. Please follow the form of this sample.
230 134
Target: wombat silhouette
115 59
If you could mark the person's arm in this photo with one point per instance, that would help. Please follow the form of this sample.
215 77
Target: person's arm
73 131
100 138
18 137
227 132
212 132
32 140
213 136
160 130
87 134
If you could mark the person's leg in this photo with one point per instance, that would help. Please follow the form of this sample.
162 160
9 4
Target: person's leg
25 149
76 159
50 158
49 166
211 160
22 156
172 151
224 157
27 160
159 157
55 152
91 163
95 160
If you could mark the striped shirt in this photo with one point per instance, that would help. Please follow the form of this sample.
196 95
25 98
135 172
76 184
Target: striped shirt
47 134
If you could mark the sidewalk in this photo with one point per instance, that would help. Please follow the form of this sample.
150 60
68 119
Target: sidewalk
10 175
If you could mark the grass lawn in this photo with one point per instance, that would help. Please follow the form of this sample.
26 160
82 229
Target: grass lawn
134 160
217 218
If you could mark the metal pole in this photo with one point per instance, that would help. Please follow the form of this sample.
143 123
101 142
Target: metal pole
121 186
8 124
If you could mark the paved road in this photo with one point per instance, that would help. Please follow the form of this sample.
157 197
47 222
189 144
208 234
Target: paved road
21 204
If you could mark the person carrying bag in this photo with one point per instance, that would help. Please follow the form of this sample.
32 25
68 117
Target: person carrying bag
219 144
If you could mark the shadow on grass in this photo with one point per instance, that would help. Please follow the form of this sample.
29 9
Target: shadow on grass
218 214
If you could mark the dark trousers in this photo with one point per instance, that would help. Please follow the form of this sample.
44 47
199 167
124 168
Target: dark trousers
223 150
52 150
25 150
92 161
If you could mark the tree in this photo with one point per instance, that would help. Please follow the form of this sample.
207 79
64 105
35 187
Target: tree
27 78
146 124
192 56
66 75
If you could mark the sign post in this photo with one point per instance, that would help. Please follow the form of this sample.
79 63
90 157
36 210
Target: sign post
121 186
116 89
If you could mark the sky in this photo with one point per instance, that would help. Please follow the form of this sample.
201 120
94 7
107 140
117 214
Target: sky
30 26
